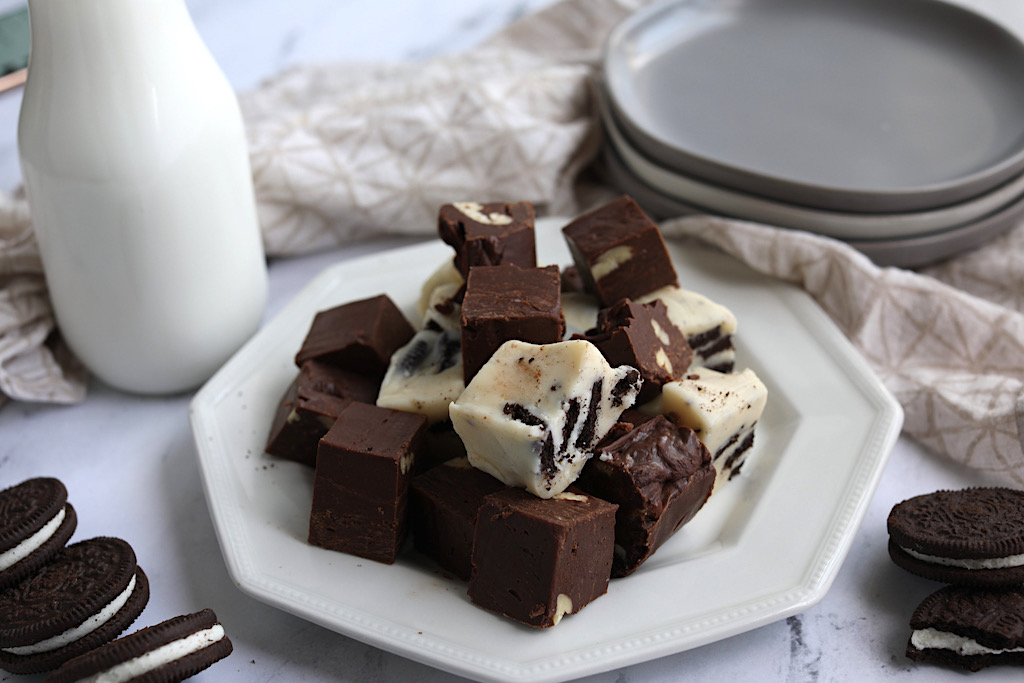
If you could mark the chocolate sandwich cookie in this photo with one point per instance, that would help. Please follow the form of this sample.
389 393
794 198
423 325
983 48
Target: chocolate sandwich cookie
973 536
35 522
173 650
84 597
969 627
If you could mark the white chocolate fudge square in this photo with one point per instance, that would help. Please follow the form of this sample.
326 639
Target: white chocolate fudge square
707 326
425 375
722 408
533 413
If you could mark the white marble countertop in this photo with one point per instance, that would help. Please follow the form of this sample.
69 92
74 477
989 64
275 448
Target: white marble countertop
130 465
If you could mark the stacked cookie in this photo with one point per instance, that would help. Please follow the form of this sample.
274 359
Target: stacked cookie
62 605
973 540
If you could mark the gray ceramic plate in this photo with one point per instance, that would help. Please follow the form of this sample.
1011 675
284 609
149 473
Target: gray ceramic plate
864 105
840 224
904 252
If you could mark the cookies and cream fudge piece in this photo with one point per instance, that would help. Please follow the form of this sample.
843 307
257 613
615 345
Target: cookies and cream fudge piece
641 335
425 375
360 490
722 408
536 560
533 413
489 234
310 406
707 326
660 475
358 336
444 502
619 252
508 302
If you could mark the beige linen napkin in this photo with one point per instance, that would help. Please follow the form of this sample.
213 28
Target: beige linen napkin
344 151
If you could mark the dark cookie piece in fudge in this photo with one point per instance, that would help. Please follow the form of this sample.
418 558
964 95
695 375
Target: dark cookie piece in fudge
566 541
360 490
508 302
310 406
659 475
358 336
489 234
642 336
619 251
969 627
444 503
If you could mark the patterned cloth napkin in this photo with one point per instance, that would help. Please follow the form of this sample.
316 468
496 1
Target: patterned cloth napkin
344 151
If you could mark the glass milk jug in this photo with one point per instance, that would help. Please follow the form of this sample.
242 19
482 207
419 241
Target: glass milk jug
136 167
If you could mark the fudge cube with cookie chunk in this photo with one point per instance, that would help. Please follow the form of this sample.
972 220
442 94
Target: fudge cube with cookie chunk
534 412
360 489
619 252
489 234
508 302
708 326
660 475
536 560
641 335
444 503
310 406
358 336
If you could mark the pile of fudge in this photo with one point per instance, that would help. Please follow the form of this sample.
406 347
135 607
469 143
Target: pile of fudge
538 431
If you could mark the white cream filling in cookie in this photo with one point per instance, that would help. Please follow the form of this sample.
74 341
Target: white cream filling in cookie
77 632
930 638
154 659
967 563
19 552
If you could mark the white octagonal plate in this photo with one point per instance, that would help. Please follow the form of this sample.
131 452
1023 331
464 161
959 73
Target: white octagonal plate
767 545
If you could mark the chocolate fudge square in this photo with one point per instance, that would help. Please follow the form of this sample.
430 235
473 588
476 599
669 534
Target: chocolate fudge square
360 489
536 560
489 234
509 302
642 336
310 406
444 503
659 475
358 336
619 251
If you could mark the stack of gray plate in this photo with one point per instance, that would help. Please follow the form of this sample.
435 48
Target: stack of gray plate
895 125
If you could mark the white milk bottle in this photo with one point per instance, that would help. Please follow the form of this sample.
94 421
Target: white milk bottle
137 172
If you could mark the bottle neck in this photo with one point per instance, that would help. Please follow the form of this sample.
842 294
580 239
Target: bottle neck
91 33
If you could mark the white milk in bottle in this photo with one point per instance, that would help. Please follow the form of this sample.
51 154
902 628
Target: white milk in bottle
137 172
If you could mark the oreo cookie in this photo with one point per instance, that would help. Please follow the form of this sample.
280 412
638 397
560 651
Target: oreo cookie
87 595
972 536
969 627
35 522
173 650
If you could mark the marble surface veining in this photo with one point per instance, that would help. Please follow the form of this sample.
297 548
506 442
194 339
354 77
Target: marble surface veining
131 468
